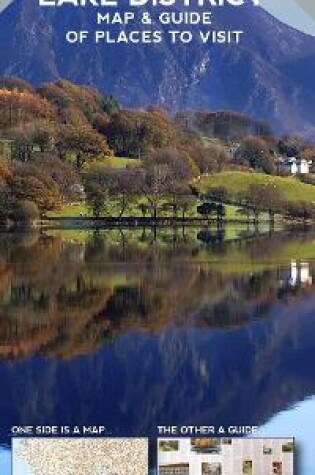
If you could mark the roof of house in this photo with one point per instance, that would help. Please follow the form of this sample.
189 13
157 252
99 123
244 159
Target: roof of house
293 161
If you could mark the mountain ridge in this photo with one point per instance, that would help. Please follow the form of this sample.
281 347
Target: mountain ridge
264 76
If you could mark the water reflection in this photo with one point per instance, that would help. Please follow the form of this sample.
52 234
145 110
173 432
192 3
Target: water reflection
5 460
165 329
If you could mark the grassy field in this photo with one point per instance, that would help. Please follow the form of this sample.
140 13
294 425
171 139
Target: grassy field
81 210
108 162
121 162
237 260
236 182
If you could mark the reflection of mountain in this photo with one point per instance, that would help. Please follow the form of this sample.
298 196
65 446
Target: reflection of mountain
171 358
241 376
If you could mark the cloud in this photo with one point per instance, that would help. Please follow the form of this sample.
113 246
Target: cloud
4 4
297 13
308 6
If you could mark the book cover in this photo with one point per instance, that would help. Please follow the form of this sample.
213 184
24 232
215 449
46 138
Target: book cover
157 256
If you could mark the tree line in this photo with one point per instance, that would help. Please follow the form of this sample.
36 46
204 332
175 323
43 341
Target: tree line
57 143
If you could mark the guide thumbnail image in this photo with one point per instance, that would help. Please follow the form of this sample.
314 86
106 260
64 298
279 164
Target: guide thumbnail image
248 467
174 469
39 456
222 456
211 468
168 445
206 446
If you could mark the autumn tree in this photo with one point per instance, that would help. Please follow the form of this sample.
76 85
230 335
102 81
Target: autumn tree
13 83
156 184
209 159
118 187
134 133
225 125
23 144
83 142
44 135
5 170
123 187
55 95
25 211
273 201
31 184
263 197
177 168
66 176
100 123
36 135
96 183
76 105
181 166
19 108
253 199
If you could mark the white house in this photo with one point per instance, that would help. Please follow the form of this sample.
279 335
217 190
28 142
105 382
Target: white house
294 165
300 274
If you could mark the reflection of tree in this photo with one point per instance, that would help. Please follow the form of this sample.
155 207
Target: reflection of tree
242 376
63 298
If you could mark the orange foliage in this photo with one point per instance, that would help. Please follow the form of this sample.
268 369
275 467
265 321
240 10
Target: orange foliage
21 107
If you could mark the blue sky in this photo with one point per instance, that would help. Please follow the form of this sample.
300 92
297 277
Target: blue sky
293 12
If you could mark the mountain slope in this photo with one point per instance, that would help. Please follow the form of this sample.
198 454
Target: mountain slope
270 75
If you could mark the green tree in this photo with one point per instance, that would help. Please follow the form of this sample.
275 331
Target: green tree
254 151
301 210
206 209
96 198
43 136
110 105
292 146
221 212
219 194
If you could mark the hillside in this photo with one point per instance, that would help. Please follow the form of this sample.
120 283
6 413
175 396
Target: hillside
68 150
263 77
236 182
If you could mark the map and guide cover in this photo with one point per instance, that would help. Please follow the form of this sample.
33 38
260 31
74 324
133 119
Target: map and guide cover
157 237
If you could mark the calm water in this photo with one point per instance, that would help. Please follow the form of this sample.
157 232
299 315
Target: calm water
132 330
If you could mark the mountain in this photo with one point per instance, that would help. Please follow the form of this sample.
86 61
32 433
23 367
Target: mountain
270 75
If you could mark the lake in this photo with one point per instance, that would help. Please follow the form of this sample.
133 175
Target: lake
131 329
